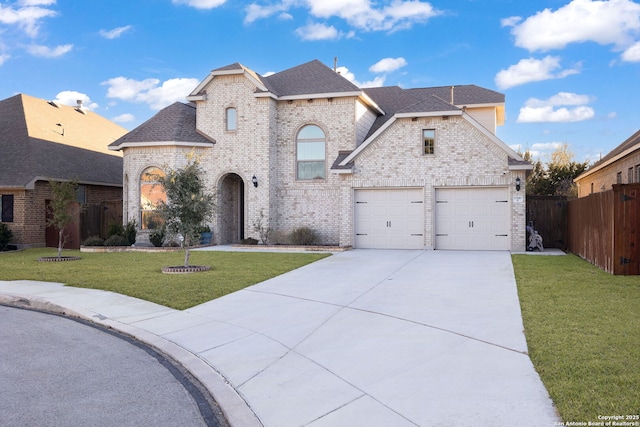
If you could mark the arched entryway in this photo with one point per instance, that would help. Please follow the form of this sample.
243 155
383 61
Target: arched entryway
230 209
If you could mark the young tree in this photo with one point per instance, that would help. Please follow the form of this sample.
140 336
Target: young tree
62 195
188 204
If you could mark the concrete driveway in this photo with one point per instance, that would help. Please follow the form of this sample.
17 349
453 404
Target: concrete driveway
364 337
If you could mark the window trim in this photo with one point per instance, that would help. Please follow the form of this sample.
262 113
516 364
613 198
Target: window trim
299 141
424 143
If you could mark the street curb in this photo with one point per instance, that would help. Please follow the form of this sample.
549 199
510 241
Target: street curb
235 408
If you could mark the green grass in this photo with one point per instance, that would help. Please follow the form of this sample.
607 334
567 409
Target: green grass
138 274
583 332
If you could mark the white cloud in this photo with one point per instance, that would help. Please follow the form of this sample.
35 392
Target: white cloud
115 33
71 97
36 2
315 31
4 57
632 54
124 118
547 146
255 11
344 72
533 70
201 4
47 52
27 17
388 65
150 91
391 16
612 22
538 110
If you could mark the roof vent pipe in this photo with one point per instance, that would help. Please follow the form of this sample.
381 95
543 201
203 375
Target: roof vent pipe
452 103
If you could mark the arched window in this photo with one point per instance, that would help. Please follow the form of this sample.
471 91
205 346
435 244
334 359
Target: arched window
151 193
231 119
310 149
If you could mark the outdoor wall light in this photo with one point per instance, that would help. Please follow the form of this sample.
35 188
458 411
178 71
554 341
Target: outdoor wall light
518 181
255 181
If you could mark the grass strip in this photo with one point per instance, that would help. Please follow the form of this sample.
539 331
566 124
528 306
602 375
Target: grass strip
138 274
583 332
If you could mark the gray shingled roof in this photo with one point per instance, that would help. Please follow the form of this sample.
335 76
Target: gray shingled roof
25 158
632 141
175 123
307 79
462 95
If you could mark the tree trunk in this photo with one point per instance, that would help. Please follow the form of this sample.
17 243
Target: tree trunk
60 243
186 257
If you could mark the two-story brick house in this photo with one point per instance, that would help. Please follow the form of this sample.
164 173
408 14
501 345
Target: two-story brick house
369 168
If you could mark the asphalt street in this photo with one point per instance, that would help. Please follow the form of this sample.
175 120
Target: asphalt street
57 371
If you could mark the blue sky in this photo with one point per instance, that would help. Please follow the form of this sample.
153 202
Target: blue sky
570 70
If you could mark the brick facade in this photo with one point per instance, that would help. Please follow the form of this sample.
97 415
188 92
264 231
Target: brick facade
264 146
626 168
29 210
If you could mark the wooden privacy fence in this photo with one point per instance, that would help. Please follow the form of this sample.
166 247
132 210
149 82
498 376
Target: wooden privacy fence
95 219
604 228
549 217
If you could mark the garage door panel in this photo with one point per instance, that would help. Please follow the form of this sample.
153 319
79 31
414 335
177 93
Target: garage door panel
389 218
472 218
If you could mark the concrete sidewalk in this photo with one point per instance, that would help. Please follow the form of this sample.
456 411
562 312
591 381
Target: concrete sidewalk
389 338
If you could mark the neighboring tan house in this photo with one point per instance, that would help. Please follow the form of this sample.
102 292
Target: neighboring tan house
40 141
620 166
368 168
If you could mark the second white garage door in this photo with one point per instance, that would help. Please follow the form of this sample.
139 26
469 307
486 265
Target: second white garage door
389 218
472 218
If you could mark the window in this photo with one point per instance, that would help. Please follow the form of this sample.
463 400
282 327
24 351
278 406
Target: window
592 188
619 178
310 148
428 141
151 193
81 194
6 207
637 173
231 119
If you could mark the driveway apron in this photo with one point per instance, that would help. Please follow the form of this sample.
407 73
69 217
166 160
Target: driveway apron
396 338
363 337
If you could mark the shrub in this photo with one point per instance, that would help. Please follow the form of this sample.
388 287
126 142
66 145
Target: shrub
249 241
115 229
303 236
93 241
156 237
5 236
116 240
130 231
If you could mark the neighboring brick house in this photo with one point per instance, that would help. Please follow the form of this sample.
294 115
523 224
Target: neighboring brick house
42 141
620 166
369 168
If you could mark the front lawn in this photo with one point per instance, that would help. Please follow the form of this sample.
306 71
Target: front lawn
138 274
583 331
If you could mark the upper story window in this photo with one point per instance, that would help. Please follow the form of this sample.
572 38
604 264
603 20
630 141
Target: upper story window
231 119
428 141
151 193
310 149
619 178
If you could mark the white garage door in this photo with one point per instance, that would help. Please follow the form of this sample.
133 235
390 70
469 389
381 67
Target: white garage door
472 218
390 218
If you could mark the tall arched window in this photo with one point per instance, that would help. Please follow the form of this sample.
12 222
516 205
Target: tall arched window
231 119
151 193
310 152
